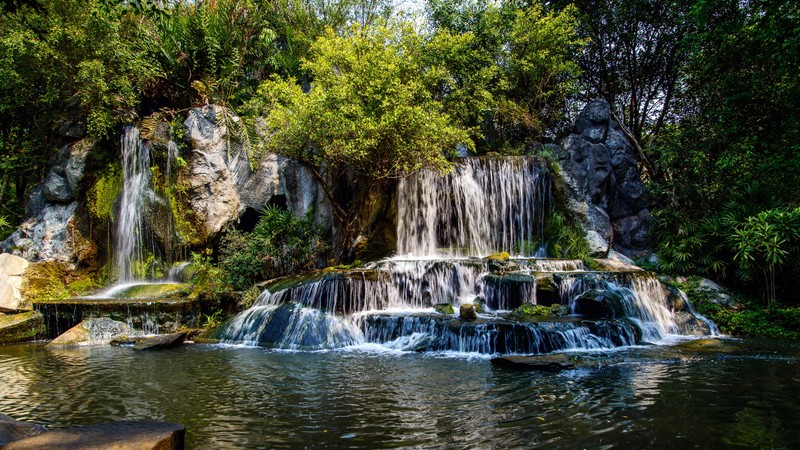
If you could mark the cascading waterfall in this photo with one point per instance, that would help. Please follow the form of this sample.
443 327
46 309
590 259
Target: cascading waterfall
485 206
136 179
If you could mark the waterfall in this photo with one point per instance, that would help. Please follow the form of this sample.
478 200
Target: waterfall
484 206
445 223
135 182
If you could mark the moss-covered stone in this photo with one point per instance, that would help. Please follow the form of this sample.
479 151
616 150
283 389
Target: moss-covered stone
21 327
444 308
502 256
532 312
150 291
467 312
707 345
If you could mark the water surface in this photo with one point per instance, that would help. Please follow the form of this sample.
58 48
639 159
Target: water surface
234 397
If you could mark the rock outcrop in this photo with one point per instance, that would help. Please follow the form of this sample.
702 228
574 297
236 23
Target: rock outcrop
223 189
599 182
14 430
50 232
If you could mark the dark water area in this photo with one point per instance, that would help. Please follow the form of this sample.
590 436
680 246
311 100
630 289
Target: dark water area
234 397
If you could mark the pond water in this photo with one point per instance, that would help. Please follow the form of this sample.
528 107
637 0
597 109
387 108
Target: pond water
235 397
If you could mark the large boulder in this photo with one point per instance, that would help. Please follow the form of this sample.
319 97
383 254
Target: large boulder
93 331
599 183
45 236
161 341
21 327
12 269
139 435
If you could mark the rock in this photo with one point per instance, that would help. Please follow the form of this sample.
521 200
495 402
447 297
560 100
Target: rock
45 236
12 269
76 164
14 430
56 189
599 304
707 345
160 342
541 362
444 308
140 435
214 170
502 256
21 327
36 201
467 312
99 330
623 260
598 181
12 265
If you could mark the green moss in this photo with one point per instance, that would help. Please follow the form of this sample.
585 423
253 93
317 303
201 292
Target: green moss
104 193
444 308
54 280
145 291
21 327
502 256
529 310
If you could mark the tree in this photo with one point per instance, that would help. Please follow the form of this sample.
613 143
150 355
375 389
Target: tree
368 115
511 67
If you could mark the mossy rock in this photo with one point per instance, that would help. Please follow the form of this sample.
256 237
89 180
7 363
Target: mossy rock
467 312
480 305
530 310
502 256
444 308
707 346
21 327
150 291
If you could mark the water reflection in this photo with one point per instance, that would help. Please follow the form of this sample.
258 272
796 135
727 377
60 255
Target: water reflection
253 398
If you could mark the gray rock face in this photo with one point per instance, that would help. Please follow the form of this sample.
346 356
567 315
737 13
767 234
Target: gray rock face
600 183
222 186
45 236
51 208
161 342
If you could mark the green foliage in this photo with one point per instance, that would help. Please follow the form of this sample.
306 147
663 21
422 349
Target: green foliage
368 111
564 237
279 245
209 280
505 70
5 228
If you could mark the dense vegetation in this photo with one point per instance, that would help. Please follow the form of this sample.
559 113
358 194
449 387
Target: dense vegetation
708 91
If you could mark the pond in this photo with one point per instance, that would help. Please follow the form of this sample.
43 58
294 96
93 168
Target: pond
364 397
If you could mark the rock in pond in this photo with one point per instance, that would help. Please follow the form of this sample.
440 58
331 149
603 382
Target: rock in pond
160 342
14 430
467 312
139 435
707 345
99 330
540 362
21 327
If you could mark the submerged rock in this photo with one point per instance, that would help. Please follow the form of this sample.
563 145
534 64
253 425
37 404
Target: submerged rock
93 331
139 435
541 362
707 345
14 430
21 327
160 342
467 312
